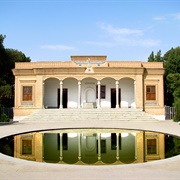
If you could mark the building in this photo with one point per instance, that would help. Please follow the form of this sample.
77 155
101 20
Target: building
89 82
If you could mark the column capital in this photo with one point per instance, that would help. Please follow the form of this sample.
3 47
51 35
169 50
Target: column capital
61 82
79 82
117 82
99 82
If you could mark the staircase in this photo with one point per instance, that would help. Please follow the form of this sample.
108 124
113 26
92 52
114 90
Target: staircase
89 115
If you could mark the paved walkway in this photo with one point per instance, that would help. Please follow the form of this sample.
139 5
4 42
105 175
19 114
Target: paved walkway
12 168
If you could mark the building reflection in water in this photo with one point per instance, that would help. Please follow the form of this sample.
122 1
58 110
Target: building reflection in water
90 146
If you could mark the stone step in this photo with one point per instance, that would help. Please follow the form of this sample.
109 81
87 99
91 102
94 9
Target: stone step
89 115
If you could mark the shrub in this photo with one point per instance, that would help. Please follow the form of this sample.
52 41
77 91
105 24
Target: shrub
177 114
4 118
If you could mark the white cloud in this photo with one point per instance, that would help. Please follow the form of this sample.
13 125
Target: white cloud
167 17
176 16
158 18
137 42
121 31
129 37
57 47
97 43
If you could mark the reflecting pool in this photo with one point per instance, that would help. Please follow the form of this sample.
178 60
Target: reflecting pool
91 146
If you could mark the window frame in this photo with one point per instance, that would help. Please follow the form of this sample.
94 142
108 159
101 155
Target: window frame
25 148
153 148
27 93
151 95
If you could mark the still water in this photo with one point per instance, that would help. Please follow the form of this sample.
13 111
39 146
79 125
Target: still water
91 146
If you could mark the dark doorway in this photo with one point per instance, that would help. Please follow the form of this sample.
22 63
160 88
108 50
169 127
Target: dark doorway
113 98
64 98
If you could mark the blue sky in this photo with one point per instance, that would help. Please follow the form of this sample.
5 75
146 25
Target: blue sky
54 30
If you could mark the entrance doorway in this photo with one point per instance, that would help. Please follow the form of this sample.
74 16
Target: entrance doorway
113 98
64 98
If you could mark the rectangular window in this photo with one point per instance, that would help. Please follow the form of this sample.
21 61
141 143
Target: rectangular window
150 93
26 146
27 93
102 92
151 146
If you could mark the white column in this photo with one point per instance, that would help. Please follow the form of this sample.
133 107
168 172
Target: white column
135 146
99 146
117 146
99 94
135 94
79 94
79 146
117 94
61 146
61 94
42 146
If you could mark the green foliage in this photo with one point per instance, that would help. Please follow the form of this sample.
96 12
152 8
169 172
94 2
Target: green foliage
172 146
172 76
151 57
6 91
8 57
172 61
4 118
177 114
158 57
155 58
7 145
177 146
173 84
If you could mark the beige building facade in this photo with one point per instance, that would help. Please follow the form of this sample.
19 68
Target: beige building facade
89 82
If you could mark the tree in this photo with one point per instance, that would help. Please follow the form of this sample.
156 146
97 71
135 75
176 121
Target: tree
14 56
158 57
155 58
151 57
171 61
3 56
8 57
172 76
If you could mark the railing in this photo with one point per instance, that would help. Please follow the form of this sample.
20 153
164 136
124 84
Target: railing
169 112
7 111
